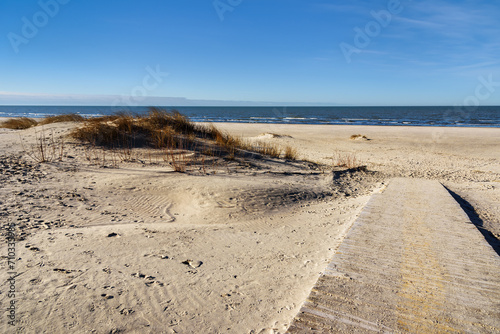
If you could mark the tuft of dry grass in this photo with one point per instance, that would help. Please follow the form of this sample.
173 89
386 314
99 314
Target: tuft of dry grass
97 133
46 148
358 137
18 123
231 144
165 137
291 153
347 160
178 160
62 118
158 119
25 122
269 149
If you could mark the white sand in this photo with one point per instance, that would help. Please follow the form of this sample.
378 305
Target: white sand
105 249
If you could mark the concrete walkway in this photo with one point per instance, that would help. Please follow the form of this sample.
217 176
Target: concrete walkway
412 263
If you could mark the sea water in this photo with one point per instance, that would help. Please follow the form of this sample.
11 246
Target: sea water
485 116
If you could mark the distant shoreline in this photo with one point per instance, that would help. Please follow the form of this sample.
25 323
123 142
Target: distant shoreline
2 119
438 116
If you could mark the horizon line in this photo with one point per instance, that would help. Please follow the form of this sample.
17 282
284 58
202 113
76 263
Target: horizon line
277 104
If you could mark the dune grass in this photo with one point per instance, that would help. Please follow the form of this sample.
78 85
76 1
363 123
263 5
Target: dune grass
46 147
169 130
18 123
346 160
290 153
115 137
158 128
62 118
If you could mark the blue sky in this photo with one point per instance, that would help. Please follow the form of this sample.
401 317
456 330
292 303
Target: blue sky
265 51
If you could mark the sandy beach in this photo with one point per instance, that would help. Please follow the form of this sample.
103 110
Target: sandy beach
224 248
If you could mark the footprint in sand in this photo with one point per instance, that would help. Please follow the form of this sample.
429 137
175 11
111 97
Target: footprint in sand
126 311
64 271
149 278
192 264
32 248
106 296
35 281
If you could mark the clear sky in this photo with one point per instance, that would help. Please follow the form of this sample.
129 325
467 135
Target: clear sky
345 52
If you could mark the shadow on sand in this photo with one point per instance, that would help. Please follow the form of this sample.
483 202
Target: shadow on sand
477 221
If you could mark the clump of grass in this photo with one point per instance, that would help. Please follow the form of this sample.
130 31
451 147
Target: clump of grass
347 160
62 118
290 153
233 143
358 137
159 118
157 127
227 142
25 122
181 140
97 133
46 148
18 123
178 160
165 137
269 149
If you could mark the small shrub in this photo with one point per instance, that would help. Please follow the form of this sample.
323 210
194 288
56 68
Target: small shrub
18 123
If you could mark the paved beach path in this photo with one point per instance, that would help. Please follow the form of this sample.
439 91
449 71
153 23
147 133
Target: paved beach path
412 263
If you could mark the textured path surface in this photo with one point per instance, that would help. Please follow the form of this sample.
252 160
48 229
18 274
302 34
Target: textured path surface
412 263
